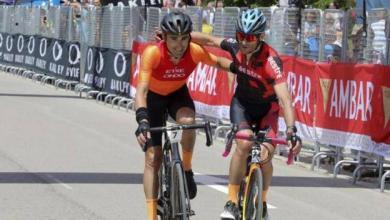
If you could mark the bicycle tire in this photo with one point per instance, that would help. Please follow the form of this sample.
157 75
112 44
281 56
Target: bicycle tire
178 196
253 201
164 174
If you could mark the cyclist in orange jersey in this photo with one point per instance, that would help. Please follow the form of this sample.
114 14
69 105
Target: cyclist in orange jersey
162 88
261 86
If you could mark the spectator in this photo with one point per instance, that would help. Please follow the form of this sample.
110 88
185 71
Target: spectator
169 4
333 5
219 4
206 26
311 34
333 53
379 39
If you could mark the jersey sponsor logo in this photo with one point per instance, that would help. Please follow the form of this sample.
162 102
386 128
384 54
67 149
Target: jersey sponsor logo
174 73
231 40
249 72
275 67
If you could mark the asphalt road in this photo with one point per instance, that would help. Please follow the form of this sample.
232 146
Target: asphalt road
64 157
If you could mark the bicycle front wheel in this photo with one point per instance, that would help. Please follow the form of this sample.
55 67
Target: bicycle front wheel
253 202
178 194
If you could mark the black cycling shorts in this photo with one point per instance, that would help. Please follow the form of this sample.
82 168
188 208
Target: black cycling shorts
158 105
261 116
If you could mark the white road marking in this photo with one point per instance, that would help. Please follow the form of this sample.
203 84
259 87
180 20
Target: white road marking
58 181
217 184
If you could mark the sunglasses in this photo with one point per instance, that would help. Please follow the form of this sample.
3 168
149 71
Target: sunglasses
248 37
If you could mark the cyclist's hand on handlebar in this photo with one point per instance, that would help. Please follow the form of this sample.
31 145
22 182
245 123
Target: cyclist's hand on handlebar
294 143
142 133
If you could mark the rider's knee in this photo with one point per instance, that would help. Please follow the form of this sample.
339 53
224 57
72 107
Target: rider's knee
153 158
187 120
267 166
243 148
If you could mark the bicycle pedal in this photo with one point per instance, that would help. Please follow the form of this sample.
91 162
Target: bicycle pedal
192 212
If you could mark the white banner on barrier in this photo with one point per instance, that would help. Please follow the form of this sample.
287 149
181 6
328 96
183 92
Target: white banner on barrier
215 111
353 141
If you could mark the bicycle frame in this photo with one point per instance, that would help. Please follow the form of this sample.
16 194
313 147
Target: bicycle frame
254 167
172 165
171 159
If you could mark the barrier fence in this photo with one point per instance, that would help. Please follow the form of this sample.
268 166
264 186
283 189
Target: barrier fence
101 47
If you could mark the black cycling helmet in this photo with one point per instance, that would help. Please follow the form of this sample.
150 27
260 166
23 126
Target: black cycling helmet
177 23
251 21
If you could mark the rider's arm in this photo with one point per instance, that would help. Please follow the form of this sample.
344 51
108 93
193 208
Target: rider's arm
274 67
200 54
149 60
286 103
206 39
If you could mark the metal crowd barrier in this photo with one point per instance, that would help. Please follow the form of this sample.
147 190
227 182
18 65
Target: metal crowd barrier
154 16
310 34
268 14
284 26
334 41
225 21
377 36
356 38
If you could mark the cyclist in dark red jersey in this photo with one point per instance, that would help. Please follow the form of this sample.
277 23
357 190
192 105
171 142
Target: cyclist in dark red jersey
261 91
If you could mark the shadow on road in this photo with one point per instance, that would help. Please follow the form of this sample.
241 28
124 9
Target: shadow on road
136 178
39 96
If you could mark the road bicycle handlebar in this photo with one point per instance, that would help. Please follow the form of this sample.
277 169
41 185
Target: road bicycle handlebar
260 137
252 138
206 126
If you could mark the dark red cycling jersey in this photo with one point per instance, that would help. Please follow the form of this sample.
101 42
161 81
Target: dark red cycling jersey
256 78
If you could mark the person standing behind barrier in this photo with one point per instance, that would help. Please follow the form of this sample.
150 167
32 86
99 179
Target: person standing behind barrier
162 88
379 40
261 83
311 34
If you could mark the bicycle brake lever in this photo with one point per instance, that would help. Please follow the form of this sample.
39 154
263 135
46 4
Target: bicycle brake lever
229 143
209 136
145 147
290 157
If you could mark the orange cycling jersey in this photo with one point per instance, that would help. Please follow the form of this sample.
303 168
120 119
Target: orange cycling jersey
163 75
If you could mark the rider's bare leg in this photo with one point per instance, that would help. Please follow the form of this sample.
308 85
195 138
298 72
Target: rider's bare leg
238 165
186 116
267 169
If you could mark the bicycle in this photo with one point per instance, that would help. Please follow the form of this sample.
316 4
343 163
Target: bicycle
251 188
174 202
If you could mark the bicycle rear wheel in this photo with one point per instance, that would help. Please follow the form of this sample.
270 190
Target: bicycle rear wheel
178 194
253 202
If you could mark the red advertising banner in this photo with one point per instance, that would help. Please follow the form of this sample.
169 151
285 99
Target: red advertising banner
353 106
212 88
380 126
302 86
